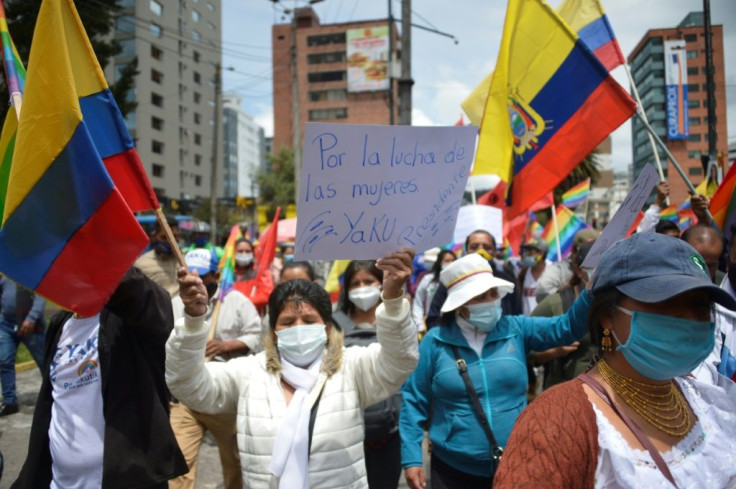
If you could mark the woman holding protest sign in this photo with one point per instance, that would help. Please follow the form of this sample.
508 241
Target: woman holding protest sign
472 373
299 402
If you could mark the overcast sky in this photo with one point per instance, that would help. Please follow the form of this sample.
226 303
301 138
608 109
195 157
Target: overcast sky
444 72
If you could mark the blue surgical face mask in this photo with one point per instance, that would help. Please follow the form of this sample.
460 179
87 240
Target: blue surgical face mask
201 241
663 347
302 344
529 261
163 248
485 315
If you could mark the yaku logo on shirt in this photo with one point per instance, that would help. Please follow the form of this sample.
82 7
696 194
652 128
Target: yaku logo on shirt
72 355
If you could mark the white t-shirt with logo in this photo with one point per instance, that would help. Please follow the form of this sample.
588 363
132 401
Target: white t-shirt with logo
77 430
529 293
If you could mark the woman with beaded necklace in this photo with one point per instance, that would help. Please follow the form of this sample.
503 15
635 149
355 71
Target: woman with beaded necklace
636 419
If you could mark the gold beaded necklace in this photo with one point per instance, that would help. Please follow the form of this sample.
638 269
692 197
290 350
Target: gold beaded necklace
661 405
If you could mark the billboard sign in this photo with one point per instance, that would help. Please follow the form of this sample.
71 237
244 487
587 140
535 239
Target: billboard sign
675 73
367 52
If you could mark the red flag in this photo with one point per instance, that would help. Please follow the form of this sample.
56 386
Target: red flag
495 197
544 203
461 122
513 230
259 288
635 224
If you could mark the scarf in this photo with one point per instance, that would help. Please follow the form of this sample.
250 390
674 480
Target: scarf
290 456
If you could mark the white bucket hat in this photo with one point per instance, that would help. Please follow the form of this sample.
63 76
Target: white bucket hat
468 277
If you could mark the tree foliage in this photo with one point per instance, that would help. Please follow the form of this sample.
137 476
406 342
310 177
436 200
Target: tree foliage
276 185
98 18
588 168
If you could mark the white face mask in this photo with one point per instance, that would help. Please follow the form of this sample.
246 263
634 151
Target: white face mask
243 259
365 298
302 344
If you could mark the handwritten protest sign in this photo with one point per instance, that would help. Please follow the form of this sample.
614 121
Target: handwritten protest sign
366 190
624 217
474 217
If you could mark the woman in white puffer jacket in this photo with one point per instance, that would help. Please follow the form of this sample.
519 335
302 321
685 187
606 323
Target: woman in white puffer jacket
284 441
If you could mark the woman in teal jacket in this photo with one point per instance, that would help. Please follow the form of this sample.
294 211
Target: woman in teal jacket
494 348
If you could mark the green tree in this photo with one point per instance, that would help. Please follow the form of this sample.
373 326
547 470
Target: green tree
588 168
276 185
98 18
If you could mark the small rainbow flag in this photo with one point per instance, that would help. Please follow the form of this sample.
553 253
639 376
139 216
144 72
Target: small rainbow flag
685 222
508 250
669 214
536 229
723 203
568 225
227 263
576 195
15 73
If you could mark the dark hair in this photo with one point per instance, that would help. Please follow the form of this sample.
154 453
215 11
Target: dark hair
243 240
480 231
344 304
300 264
297 292
437 267
604 304
665 225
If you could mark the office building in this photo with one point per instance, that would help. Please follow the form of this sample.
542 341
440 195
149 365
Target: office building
342 71
686 136
177 45
243 143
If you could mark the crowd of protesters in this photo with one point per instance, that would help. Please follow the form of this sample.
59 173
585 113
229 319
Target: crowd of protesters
477 372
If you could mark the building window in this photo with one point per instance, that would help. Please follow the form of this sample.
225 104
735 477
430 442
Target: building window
197 78
332 94
125 3
156 30
127 48
694 137
196 36
328 114
694 171
691 37
197 160
693 87
157 123
692 71
693 104
195 16
694 121
693 154
197 118
156 53
198 180
157 147
335 57
157 76
210 6
195 56
158 170
197 97
157 100
323 39
156 8
327 76
125 24
211 26
692 54
197 139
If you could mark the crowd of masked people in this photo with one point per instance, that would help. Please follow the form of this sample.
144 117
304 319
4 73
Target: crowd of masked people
478 372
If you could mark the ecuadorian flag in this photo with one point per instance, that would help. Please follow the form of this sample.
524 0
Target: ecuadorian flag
67 231
587 18
551 102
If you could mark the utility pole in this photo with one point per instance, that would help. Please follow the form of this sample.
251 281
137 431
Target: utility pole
710 90
405 82
215 145
296 127
390 64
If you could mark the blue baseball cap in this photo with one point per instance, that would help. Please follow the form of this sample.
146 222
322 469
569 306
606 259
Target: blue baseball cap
651 267
202 260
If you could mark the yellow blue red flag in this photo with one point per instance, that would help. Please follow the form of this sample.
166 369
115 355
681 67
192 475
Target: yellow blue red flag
67 232
589 20
550 103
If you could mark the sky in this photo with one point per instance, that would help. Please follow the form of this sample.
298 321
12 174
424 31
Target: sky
445 72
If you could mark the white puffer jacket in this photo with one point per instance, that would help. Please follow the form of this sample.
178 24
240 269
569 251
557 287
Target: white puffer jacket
365 376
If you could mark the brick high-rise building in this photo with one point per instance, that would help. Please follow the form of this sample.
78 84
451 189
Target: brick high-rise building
648 70
322 67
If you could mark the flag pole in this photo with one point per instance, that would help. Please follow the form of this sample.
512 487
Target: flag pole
640 109
17 101
161 218
557 232
676 165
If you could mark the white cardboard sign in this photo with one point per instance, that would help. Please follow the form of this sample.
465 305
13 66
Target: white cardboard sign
366 190
473 217
623 219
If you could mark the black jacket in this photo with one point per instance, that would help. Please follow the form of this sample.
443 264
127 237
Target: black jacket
510 304
140 448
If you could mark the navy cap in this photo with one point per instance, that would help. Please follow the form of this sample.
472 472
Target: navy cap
651 267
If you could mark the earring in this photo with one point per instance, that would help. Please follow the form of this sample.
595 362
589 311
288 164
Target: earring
606 341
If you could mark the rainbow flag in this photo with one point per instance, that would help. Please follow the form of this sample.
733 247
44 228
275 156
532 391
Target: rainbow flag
536 229
508 250
684 222
576 195
15 72
723 203
587 18
551 102
67 231
669 214
568 224
227 263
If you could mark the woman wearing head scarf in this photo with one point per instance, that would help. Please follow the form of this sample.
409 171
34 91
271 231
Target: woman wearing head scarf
472 372
637 419
300 402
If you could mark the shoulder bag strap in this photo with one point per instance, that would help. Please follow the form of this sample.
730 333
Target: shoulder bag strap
638 433
462 367
313 418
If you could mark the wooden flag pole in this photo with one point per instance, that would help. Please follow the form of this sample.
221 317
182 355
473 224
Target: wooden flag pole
170 236
557 232
676 165
17 100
